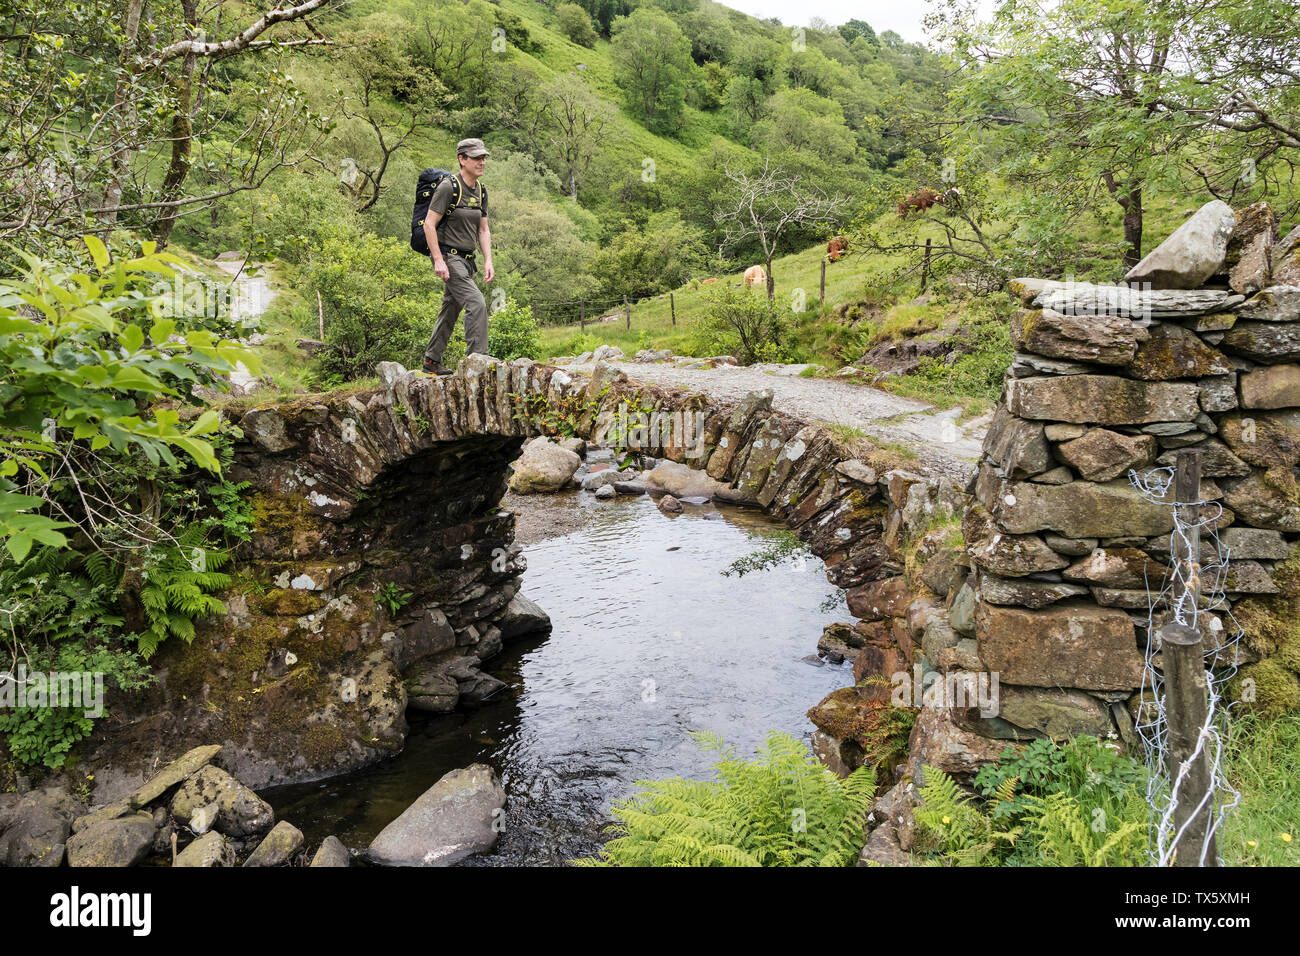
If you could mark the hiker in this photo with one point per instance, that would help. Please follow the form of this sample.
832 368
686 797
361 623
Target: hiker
452 248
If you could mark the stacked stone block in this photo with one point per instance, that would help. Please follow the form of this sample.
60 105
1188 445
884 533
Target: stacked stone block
1109 380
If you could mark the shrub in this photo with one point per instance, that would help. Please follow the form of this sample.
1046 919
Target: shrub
379 301
783 809
742 323
512 332
575 23
647 260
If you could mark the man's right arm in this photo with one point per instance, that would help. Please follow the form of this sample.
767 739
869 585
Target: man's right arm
435 251
437 209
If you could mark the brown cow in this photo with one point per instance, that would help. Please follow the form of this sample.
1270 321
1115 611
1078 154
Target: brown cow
710 279
836 248
919 201
755 275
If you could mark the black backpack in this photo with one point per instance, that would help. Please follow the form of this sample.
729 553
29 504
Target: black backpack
424 187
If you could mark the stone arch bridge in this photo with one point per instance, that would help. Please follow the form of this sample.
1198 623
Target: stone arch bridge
382 570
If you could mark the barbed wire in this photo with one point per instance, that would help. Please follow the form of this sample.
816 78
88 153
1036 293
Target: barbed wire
1189 590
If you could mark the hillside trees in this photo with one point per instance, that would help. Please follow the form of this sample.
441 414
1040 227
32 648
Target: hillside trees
454 43
105 111
652 61
574 120
387 99
576 24
800 121
1087 101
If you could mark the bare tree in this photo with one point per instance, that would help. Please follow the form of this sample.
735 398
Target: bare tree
575 121
84 151
379 70
769 201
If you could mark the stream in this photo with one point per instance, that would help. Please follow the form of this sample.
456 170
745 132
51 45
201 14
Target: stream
650 642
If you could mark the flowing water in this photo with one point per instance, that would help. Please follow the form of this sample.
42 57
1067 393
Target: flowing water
650 642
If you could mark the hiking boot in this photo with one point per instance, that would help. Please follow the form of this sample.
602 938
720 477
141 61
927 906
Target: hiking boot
435 368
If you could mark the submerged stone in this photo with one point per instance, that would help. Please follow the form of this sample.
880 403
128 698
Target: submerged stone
457 817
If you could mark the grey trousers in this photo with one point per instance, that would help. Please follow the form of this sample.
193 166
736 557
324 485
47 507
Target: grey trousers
460 291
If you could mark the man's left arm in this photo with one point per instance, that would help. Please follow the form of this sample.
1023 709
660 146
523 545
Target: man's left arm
485 243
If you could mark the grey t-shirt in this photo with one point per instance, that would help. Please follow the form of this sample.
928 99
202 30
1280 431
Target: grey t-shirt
459 230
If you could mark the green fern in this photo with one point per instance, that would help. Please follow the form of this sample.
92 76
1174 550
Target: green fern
783 809
1055 829
954 827
178 586
1064 837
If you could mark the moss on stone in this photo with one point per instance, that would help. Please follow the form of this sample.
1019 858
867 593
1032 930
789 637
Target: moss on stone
1267 688
288 601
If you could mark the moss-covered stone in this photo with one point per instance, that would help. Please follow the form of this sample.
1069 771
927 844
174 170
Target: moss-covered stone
1267 688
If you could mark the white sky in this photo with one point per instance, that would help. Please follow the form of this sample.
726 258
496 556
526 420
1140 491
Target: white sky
901 16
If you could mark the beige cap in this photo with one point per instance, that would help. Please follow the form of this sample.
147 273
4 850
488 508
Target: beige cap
473 148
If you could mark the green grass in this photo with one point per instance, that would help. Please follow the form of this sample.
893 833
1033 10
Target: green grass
846 281
1262 757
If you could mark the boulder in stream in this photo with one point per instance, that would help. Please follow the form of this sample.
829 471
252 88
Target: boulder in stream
451 820
543 467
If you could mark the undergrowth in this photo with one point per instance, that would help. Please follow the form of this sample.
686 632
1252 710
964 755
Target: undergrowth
782 809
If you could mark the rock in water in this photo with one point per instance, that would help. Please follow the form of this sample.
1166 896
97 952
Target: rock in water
451 820
211 849
278 848
670 505
682 481
522 616
34 830
1194 251
121 842
332 852
543 467
240 811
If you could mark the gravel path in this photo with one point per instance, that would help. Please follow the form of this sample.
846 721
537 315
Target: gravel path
940 443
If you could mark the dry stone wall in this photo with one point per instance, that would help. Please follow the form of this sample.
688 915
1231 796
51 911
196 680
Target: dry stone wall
1043 610
1110 380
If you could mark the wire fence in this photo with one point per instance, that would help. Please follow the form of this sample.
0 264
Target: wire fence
1186 814
578 311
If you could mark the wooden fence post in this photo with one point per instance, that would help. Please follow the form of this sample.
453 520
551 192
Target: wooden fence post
628 309
925 266
822 297
1186 693
672 305
582 314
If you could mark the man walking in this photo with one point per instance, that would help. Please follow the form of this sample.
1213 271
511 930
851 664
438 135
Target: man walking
452 248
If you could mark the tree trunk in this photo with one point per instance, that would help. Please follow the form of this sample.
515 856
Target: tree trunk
182 136
1133 228
120 160
771 281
